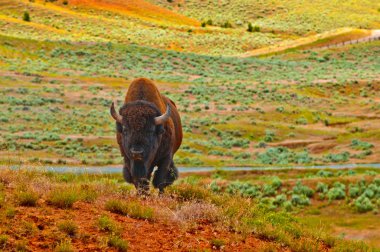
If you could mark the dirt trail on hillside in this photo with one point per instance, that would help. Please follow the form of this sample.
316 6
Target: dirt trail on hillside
305 42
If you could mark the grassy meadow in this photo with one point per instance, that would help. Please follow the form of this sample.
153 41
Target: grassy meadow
309 107
63 62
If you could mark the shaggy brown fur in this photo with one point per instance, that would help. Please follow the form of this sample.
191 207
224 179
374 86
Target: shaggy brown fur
143 102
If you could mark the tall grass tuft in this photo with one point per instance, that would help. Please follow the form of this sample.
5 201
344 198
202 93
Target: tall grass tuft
133 209
63 197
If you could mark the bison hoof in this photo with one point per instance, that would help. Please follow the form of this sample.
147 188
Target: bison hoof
143 191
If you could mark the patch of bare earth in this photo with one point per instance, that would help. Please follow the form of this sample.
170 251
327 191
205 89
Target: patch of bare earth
142 235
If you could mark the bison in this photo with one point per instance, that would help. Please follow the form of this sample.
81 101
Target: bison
149 132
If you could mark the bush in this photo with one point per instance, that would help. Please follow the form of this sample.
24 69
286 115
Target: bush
244 189
63 197
325 174
133 209
106 224
337 192
3 241
214 187
288 206
26 16
2 199
27 198
300 200
363 204
189 192
276 183
88 195
68 227
64 246
268 190
337 158
353 191
117 243
280 199
250 27
303 190
227 24
217 244
361 145
282 155
322 187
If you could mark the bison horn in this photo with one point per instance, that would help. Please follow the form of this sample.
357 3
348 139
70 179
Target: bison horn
163 118
114 114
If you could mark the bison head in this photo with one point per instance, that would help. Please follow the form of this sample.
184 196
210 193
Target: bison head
141 126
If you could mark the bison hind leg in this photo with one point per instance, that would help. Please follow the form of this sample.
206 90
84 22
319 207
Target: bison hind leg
165 176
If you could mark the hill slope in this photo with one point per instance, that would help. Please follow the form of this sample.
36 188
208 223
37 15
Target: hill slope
292 17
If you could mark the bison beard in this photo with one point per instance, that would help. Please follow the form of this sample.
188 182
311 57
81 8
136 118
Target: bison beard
148 136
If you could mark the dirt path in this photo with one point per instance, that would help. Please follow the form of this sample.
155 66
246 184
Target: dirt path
375 35
344 37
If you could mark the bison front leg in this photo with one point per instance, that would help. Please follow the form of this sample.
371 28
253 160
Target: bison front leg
127 174
165 174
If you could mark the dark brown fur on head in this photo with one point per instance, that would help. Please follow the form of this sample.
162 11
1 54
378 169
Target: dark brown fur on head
137 114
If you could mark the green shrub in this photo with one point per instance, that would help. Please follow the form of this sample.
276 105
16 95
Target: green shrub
68 227
300 200
337 158
244 189
64 246
2 199
118 243
63 197
282 155
250 27
322 187
361 145
288 206
336 193
217 243
88 194
268 190
26 16
303 190
276 183
133 209
106 224
10 213
280 199
363 204
27 198
369 193
3 241
189 192
353 191
325 174
214 187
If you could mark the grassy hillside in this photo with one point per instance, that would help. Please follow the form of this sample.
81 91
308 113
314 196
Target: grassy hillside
291 17
67 212
102 21
235 111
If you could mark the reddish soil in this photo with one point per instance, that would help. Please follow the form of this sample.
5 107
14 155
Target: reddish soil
142 235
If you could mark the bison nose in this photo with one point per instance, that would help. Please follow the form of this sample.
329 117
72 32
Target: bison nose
137 154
